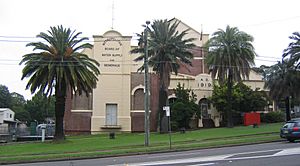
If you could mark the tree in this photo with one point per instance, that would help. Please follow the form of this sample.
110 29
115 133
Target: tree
5 99
167 49
59 67
247 100
229 58
293 50
283 81
184 107
18 103
40 107
244 99
17 99
292 54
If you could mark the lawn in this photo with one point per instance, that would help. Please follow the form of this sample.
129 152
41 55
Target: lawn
124 143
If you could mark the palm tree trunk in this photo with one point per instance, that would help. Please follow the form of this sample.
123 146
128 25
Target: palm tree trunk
229 100
60 96
162 103
287 108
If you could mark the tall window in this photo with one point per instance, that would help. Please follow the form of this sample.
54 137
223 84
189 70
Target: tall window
204 104
204 110
111 114
138 99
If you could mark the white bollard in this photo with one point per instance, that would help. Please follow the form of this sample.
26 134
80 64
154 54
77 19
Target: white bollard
43 132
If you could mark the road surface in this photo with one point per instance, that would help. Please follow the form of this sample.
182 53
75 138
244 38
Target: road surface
274 154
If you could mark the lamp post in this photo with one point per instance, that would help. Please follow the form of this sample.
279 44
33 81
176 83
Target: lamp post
146 81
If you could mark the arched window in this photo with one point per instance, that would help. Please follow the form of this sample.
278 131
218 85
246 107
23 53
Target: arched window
172 100
204 104
138 99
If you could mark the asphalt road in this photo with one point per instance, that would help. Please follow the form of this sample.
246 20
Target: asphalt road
273 154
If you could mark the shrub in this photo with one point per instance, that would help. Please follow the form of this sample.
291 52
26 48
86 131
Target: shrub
273 117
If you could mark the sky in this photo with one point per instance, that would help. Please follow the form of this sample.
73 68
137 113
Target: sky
270 22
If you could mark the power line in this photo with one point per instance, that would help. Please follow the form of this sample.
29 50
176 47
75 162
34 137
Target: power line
19 60
116 63
23 37
259 56
271 21
267 60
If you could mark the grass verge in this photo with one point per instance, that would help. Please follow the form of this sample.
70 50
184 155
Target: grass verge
133 143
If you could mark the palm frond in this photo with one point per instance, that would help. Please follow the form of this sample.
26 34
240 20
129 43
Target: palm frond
59 63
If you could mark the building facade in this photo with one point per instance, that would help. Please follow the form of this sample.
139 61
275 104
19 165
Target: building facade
117 103
7 120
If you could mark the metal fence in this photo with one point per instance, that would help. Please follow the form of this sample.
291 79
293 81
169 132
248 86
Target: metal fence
12 133
4 130
7 133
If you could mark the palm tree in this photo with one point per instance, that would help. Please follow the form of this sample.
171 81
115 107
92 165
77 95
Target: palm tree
283 81
57 65
167 49
229 58
293 50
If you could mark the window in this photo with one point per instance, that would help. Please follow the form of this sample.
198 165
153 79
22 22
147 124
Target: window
138 99
297 124
111 114
204 110
289 125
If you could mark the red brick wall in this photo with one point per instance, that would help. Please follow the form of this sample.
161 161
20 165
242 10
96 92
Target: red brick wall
76 123
197 64
137 103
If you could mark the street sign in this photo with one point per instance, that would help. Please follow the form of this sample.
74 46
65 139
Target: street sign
167 109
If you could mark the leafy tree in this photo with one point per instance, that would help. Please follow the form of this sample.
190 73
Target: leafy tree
184 107
59 67
18 103
247 100
167 49
5 99
230 56
218 98
22 115
40 107
260 100
17 99
283 81
244 99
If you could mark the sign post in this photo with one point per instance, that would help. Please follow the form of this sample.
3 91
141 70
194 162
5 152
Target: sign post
168 114
146 79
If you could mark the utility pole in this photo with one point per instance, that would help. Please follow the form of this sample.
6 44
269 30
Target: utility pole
146 81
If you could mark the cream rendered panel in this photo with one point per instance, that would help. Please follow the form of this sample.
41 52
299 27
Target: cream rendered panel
188 84
255 84
255 81
112 51
255 76
88 52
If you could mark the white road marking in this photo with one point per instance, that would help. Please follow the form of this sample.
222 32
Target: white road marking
202 164
227 157
179 161
290 151
173 155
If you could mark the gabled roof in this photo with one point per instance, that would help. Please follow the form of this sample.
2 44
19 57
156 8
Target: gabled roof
176 19
5 109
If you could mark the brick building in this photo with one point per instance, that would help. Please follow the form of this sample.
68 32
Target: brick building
117 103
